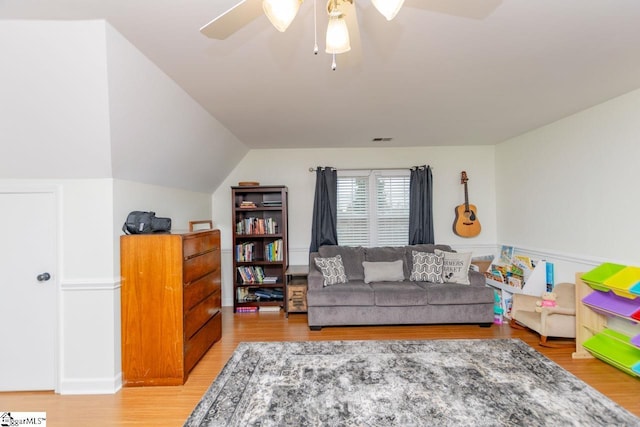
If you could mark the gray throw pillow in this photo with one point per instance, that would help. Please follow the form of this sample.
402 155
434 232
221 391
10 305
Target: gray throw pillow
427 267
332 270
391 271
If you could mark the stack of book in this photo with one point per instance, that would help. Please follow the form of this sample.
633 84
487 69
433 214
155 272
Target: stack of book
268 294
246 309
246 204
245 296
272 203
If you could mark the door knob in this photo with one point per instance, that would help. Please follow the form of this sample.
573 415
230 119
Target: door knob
43 277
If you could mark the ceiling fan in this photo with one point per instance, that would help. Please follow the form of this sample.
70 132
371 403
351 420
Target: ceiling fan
341 19
342 25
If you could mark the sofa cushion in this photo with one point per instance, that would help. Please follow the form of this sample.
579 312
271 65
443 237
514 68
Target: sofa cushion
427 267
457 294
383 271
352 258
388 254
332 270
390 294
356 293
456 266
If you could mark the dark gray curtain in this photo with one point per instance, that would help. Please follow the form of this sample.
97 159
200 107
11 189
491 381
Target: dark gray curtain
325 211
420 201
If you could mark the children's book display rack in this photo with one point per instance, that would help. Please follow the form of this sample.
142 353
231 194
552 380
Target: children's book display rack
533 282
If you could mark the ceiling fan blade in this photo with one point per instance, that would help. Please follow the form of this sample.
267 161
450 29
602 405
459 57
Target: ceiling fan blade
233 19
473 9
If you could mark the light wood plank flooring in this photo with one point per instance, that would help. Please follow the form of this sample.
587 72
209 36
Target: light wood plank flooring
170 406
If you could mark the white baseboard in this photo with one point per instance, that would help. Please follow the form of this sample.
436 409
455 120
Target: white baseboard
91 385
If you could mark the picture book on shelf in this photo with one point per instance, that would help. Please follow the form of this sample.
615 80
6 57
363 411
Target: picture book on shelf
506 254
522 261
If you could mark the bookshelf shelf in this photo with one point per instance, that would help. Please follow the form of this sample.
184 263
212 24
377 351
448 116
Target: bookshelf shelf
260 245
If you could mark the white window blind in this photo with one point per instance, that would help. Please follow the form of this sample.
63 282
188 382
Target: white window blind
373 208
353 210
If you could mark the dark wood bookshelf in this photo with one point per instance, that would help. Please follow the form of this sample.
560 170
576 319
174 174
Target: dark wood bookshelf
249 228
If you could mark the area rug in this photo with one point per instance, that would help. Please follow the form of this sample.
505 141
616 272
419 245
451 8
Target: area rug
498 382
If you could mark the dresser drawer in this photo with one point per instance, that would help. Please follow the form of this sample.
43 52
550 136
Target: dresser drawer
197 346
200 242
198 290
196 267
200 314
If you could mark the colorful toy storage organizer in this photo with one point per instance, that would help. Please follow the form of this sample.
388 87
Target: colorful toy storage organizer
616 293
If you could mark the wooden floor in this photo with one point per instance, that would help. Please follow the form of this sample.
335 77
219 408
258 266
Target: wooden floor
170 406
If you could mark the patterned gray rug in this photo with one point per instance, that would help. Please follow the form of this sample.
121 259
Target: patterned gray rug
501 382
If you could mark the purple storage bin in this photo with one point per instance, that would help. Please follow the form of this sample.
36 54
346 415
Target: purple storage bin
609 303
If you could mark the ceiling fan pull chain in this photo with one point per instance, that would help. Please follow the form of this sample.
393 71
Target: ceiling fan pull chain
333 64
315 28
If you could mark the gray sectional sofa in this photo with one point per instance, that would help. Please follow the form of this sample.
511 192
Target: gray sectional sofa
392 302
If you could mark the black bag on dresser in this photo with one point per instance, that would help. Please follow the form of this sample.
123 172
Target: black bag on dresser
139 222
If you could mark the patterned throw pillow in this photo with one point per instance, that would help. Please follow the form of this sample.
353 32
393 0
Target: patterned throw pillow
456 267
332 270
427 267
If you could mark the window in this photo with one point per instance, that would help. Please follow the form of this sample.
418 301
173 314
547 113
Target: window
373 208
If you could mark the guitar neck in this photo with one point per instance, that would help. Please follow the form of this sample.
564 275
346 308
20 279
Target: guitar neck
466 198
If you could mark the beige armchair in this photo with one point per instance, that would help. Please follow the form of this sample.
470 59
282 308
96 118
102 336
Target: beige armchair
559 321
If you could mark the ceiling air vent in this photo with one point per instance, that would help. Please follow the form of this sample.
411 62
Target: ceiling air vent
381 139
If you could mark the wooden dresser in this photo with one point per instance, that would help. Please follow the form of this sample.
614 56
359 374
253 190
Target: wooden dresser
170 304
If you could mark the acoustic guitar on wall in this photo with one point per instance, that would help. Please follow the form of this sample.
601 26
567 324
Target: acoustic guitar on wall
466 223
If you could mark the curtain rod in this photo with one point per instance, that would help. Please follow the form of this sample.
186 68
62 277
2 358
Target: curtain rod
312 169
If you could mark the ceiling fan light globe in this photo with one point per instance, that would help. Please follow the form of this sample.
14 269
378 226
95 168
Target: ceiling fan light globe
281 12
388 8
337 39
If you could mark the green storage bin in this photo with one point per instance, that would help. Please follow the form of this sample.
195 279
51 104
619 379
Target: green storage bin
616 349
596 277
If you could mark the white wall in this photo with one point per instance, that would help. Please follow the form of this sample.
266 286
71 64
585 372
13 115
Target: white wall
569 191
160 135
53 100
290 167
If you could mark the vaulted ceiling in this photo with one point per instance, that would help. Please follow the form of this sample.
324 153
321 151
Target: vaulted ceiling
444 72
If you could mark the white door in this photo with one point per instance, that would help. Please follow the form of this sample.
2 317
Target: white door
27 290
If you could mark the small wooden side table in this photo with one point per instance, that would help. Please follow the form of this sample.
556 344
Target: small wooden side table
296 289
